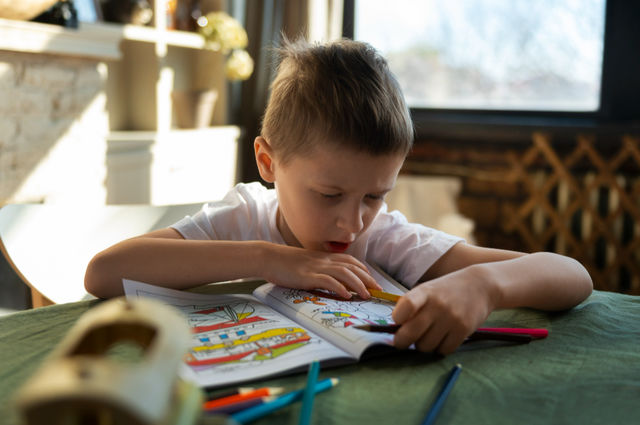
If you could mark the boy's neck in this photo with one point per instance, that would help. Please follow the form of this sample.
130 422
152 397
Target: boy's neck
288 236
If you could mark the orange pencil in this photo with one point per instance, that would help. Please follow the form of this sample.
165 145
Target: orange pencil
224 401
384 295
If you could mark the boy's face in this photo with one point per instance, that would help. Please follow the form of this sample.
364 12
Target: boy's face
330 197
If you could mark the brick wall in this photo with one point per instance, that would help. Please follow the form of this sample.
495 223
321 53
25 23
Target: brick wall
53 128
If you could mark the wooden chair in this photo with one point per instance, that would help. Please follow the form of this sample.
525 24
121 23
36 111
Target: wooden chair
49 246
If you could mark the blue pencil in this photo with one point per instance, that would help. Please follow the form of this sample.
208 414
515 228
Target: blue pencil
444 392
256 412
309 392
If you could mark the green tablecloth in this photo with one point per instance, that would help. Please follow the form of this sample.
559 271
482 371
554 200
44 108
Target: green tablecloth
586 372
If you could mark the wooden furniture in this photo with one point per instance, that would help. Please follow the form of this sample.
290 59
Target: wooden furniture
49 246
584 204
574 192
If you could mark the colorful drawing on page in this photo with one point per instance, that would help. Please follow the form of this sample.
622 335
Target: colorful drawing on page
338 313
237 333
205 319
242 347
313 300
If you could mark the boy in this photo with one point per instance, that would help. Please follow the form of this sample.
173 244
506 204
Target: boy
335 133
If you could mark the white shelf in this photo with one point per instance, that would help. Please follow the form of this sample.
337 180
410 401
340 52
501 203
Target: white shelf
91 40
172 38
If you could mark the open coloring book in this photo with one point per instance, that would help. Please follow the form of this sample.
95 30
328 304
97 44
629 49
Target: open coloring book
242 337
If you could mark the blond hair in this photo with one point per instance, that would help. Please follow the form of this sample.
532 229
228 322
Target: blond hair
340 92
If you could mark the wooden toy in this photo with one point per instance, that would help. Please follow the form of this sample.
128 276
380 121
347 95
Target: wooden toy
117 365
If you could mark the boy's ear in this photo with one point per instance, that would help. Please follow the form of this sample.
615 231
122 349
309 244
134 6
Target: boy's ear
264 159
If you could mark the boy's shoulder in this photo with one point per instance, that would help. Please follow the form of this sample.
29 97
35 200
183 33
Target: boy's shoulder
254 190
253 196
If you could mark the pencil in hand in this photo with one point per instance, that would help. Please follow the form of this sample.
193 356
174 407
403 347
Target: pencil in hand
496 334
481 335
383 295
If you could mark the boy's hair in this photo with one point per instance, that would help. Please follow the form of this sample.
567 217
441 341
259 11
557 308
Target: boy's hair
342 92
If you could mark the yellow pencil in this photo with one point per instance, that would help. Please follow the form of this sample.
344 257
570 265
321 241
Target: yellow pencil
384 295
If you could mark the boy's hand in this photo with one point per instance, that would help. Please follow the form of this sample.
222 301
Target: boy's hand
439 314
305 269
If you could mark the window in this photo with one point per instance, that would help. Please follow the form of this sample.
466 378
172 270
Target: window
508 55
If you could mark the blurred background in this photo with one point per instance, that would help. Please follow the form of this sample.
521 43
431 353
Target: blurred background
526 112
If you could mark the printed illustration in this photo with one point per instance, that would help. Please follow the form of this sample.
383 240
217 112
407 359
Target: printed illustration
264 345
220 317
334 312
230 333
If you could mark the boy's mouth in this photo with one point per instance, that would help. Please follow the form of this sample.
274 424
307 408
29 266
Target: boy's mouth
337 246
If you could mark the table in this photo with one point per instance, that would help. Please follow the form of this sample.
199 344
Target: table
587 371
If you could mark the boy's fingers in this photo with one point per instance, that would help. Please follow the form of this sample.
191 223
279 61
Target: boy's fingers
351 278
432 340
409 333
331 284
362 271
408 305
367 281
450 343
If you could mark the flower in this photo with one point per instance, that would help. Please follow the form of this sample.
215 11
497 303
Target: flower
225 34
239 65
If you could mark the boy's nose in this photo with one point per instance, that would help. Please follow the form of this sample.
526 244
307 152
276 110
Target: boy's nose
350 219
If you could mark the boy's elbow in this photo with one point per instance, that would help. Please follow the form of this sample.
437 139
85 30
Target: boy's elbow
584 283
587 282
96 278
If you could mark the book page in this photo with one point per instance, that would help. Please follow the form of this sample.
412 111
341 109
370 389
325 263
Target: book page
237 338
333 317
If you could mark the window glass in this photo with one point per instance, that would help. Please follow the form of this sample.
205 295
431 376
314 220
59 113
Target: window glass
490 54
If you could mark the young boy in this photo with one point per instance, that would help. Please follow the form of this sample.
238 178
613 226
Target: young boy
335 133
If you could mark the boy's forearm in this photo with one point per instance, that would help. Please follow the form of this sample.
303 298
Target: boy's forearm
173 263
541 280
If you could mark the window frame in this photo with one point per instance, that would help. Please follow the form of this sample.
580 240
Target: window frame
619 92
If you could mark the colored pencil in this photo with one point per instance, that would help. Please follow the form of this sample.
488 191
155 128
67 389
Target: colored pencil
256 412
536 333
257 393
213 393
241 405
390 329
481 335
384 295
436 406
309 393
478 335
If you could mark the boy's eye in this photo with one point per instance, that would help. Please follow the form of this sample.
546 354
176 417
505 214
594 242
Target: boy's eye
375 197
330 195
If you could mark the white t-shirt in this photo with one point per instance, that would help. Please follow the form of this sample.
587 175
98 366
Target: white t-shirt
248 212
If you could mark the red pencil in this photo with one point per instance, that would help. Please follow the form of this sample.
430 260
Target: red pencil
224 401
536 333
504 334
240 405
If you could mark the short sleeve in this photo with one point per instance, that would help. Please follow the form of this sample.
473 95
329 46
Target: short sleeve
406 250
241 215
